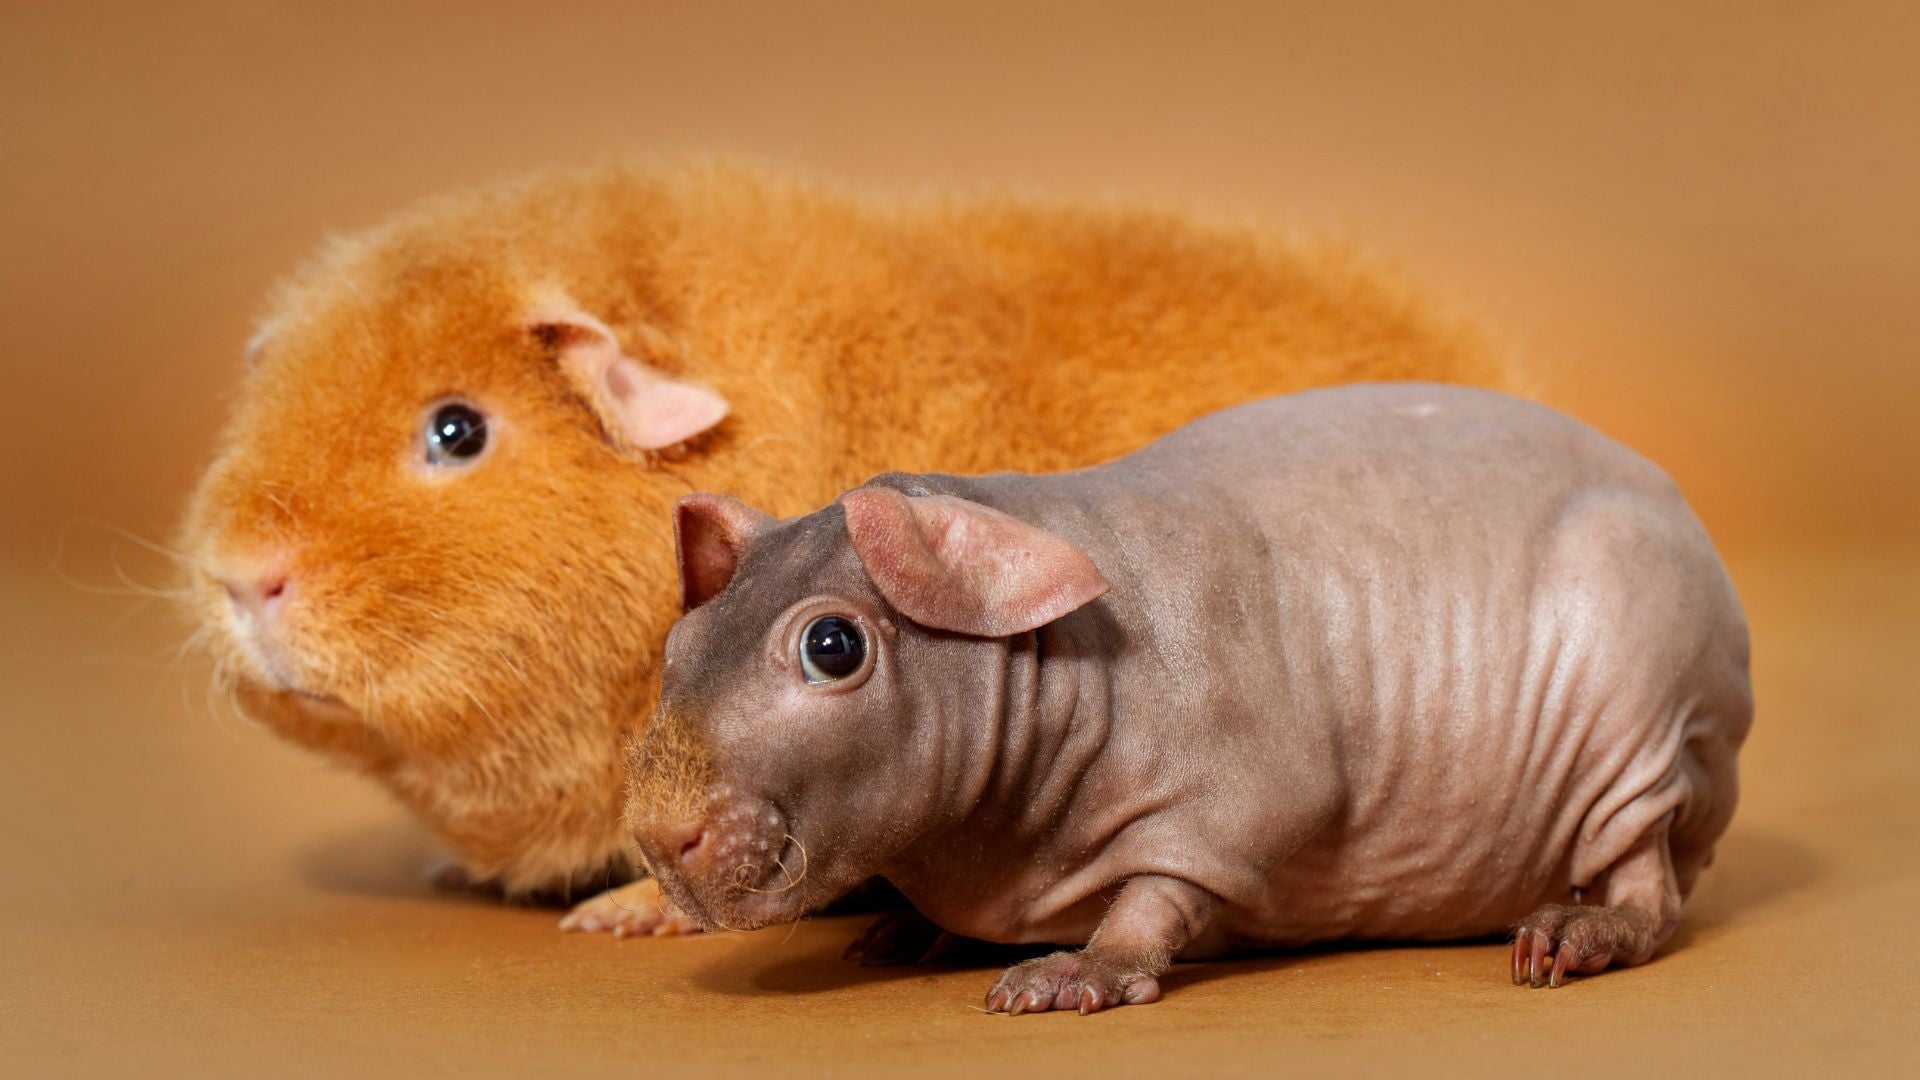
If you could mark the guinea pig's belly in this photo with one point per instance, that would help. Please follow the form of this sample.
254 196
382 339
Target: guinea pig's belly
1381 889
1424 850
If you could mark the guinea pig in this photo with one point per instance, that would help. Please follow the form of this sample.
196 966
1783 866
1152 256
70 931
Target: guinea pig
431 544
1379 662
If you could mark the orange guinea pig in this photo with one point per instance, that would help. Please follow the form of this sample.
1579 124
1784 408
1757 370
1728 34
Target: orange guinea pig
436 542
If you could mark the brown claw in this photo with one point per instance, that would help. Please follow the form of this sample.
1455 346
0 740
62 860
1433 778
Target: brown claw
1560 966
1519 958
1537 962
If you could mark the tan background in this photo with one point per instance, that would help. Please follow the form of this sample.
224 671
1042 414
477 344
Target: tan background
1698 226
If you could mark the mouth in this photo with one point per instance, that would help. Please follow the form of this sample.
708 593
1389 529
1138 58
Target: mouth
311 699
250 687
273 677
753 896
300 693
265 661
268 669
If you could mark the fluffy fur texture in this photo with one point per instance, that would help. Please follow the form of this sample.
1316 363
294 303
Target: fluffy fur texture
481 639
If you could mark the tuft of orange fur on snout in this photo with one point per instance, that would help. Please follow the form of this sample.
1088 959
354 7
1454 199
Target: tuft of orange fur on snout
669 774
494 633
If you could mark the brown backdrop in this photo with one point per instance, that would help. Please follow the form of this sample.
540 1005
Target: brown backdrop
1696 225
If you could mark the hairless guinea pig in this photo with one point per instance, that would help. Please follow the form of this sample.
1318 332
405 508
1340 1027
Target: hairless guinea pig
1393 661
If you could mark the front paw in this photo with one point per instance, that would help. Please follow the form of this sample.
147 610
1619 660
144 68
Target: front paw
1560 940
634 909
1070 980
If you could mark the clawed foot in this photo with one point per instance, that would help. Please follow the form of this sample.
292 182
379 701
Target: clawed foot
634 909
1560 940
899 937
1069 980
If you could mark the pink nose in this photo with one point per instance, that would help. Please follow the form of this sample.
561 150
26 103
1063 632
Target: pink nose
687 841
260 595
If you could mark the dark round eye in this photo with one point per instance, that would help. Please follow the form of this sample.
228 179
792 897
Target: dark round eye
456 432
831 649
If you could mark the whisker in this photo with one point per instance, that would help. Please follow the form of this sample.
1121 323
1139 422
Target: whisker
497 653
127 586
148 590
792 881
221 706
806 863
133 611
414 649
193 642
268 490
154 546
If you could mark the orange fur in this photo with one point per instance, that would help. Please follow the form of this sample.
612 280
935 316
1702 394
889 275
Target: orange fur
493 636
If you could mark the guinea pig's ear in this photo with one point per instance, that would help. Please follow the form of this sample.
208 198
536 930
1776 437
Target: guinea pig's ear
640 407
709 533
956 565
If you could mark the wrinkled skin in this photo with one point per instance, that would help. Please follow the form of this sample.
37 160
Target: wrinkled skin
1385 662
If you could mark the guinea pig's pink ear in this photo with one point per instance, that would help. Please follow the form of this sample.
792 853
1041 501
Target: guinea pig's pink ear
709 533
640 407
956 565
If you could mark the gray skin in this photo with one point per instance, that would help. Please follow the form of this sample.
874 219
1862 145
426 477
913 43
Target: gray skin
1382 662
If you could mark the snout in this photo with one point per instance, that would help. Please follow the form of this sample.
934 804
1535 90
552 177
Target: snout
259 612
730 864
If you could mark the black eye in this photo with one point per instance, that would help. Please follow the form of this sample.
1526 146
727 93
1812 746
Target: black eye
831 649
456 432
